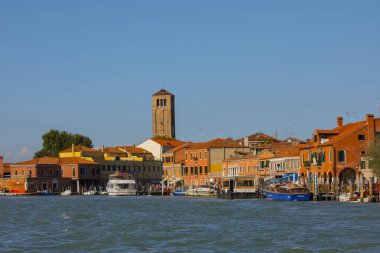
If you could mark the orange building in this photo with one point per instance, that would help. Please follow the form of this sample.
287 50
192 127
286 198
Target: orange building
39 174
173 166
204 161
333 157
269 164
241 174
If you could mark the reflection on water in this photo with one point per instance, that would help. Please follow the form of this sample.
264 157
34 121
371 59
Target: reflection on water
164 224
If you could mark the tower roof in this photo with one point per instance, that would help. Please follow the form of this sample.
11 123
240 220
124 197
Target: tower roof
163 92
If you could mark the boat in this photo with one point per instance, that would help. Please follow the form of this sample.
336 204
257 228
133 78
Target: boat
347 197
103 191
90 192
44 193
2 194
121 184
202 191
179 193
66 193
287 192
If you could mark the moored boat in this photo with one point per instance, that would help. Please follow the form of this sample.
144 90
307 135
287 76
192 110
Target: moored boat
66 193
288 192
179 193
121 184
202 191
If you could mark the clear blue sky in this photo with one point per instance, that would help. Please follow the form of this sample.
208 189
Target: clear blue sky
236 67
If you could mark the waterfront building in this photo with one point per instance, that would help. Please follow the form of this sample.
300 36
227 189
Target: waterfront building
333 157
241 174
204 161
163 114
39 174
267 165
127 159
173 166
158 146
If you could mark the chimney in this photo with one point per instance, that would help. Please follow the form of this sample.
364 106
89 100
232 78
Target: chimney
73 149
339 121
103 148
370 120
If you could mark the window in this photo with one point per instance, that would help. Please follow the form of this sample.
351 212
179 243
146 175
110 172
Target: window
158 102
323 156
30 172
205 155
16 172
362 165
206 170
22 172
167 159
200 170
361 137
73 172
186 156
330 156
191 170
196 171
200 155
164 102
341 156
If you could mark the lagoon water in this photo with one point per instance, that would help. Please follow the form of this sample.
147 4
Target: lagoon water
166 224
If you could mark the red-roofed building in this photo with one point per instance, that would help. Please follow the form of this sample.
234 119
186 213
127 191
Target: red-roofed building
173 166
203 161
39 174
159 146
334 156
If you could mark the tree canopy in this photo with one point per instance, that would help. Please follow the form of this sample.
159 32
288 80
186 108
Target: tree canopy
55 141
374 157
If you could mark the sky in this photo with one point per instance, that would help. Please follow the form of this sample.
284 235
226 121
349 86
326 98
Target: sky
235 67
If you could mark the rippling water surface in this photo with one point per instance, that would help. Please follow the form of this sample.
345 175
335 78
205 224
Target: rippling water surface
165 224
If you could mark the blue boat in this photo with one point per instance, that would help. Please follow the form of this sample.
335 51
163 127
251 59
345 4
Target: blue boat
287 193
178 193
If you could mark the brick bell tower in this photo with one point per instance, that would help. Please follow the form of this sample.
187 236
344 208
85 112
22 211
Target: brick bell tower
163 116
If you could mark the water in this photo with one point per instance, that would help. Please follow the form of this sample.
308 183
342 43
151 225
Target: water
165 224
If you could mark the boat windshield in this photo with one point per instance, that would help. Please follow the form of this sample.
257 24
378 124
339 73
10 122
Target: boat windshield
125 186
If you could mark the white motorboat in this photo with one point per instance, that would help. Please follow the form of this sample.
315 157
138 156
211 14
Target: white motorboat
121 184
90 192
202 191
66 193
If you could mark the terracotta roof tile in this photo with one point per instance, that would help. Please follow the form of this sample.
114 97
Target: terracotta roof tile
113 150
162 92
79 148
42 160
75 160
176 149
136 150
217 143
168 143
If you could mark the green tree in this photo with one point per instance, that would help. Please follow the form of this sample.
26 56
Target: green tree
374 157
55 141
